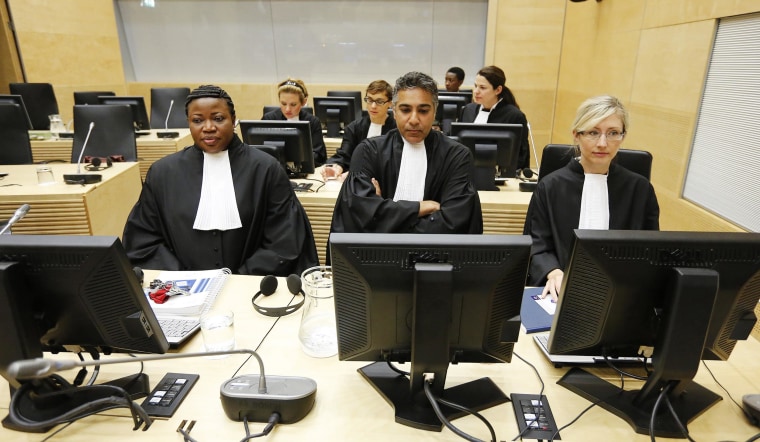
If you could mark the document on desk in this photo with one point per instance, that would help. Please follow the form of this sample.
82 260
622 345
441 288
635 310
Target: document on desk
536 313
200 289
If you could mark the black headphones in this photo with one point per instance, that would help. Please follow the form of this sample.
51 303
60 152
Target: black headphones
269 286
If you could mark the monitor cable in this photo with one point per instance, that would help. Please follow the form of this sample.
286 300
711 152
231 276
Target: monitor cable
434 401
529 424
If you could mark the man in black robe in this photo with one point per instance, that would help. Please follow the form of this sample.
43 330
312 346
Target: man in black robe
374 197
173 227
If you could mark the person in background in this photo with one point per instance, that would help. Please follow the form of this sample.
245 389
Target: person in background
454 79
379 96
591 192
493 102
413 179
218 203
292 94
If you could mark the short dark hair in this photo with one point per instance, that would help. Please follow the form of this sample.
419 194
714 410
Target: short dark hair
459 72
210 91
416 80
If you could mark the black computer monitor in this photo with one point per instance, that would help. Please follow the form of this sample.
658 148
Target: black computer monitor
432 300
90 97
71 293
449 109
690 295
356 95
495 149
288 141
335 113
18 100
137 104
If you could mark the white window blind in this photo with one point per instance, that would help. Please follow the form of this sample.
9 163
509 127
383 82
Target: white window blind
724 170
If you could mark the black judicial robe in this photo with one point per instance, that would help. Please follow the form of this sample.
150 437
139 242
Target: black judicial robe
555 210
353 134
359 209
504 114
275 239
317 140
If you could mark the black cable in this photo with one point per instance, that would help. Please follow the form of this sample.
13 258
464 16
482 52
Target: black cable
680 424
442 418
186 436
754 438
575 419
274 419
535 370
724 389
656 406
396 369
469 411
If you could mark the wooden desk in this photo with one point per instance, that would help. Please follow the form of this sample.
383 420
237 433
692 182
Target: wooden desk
70 209
331 145
347 408
149 148
503 211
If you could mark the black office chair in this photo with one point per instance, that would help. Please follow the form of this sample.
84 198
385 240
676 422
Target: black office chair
15 147
40 102
274 107
160 100
112 134
556 156
91 97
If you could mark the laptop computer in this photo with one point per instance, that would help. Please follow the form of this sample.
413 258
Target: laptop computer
178 329
542 341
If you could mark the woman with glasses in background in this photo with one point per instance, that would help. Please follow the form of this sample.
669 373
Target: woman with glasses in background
590 192
376 122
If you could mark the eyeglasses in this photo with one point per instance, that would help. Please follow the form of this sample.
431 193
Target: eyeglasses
594 135
370 101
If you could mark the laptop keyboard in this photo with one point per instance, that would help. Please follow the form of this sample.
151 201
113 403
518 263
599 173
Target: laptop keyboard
177 329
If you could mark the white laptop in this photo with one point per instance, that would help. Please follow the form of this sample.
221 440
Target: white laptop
542 341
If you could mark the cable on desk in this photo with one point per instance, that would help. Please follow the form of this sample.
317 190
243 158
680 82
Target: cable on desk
540 395
396 369
625 373
274 419
434 403
744 412
681 425
669 386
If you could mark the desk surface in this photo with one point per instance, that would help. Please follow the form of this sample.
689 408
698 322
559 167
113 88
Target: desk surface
67 209
150 148
348 408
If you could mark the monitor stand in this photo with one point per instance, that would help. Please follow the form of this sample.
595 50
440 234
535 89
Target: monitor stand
430 354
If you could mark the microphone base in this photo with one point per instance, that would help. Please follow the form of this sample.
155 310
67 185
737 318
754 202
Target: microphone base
291 396
528 186
167 134
82 178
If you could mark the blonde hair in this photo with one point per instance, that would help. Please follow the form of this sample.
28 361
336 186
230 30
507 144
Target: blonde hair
596 109
293 86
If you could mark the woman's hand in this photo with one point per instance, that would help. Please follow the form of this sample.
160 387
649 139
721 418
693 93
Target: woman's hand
553 283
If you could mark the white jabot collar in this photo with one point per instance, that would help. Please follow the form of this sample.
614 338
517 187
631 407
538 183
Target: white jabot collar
595 206
217 209
411 175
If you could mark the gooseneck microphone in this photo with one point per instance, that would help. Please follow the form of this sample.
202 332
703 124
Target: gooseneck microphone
20 213
530 186
166 133
245 396
79 177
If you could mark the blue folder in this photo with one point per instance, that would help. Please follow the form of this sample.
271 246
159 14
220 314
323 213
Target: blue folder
534 318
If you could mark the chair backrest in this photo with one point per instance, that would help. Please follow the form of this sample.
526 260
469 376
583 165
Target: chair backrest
112 134
91 97
40 102
160 99
556 156
15 147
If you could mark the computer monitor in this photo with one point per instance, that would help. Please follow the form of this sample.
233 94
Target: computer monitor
356 95
690 295
290 140
450 109
495 149
90 97
137 104
18 100
71 293
335 113
432 300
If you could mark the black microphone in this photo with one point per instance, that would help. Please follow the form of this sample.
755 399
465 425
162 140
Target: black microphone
166 133
20 213
245 396
79 177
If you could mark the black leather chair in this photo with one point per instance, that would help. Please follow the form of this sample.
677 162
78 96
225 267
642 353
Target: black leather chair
40 102
91 97
160 99
15 147
556 156
113 133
